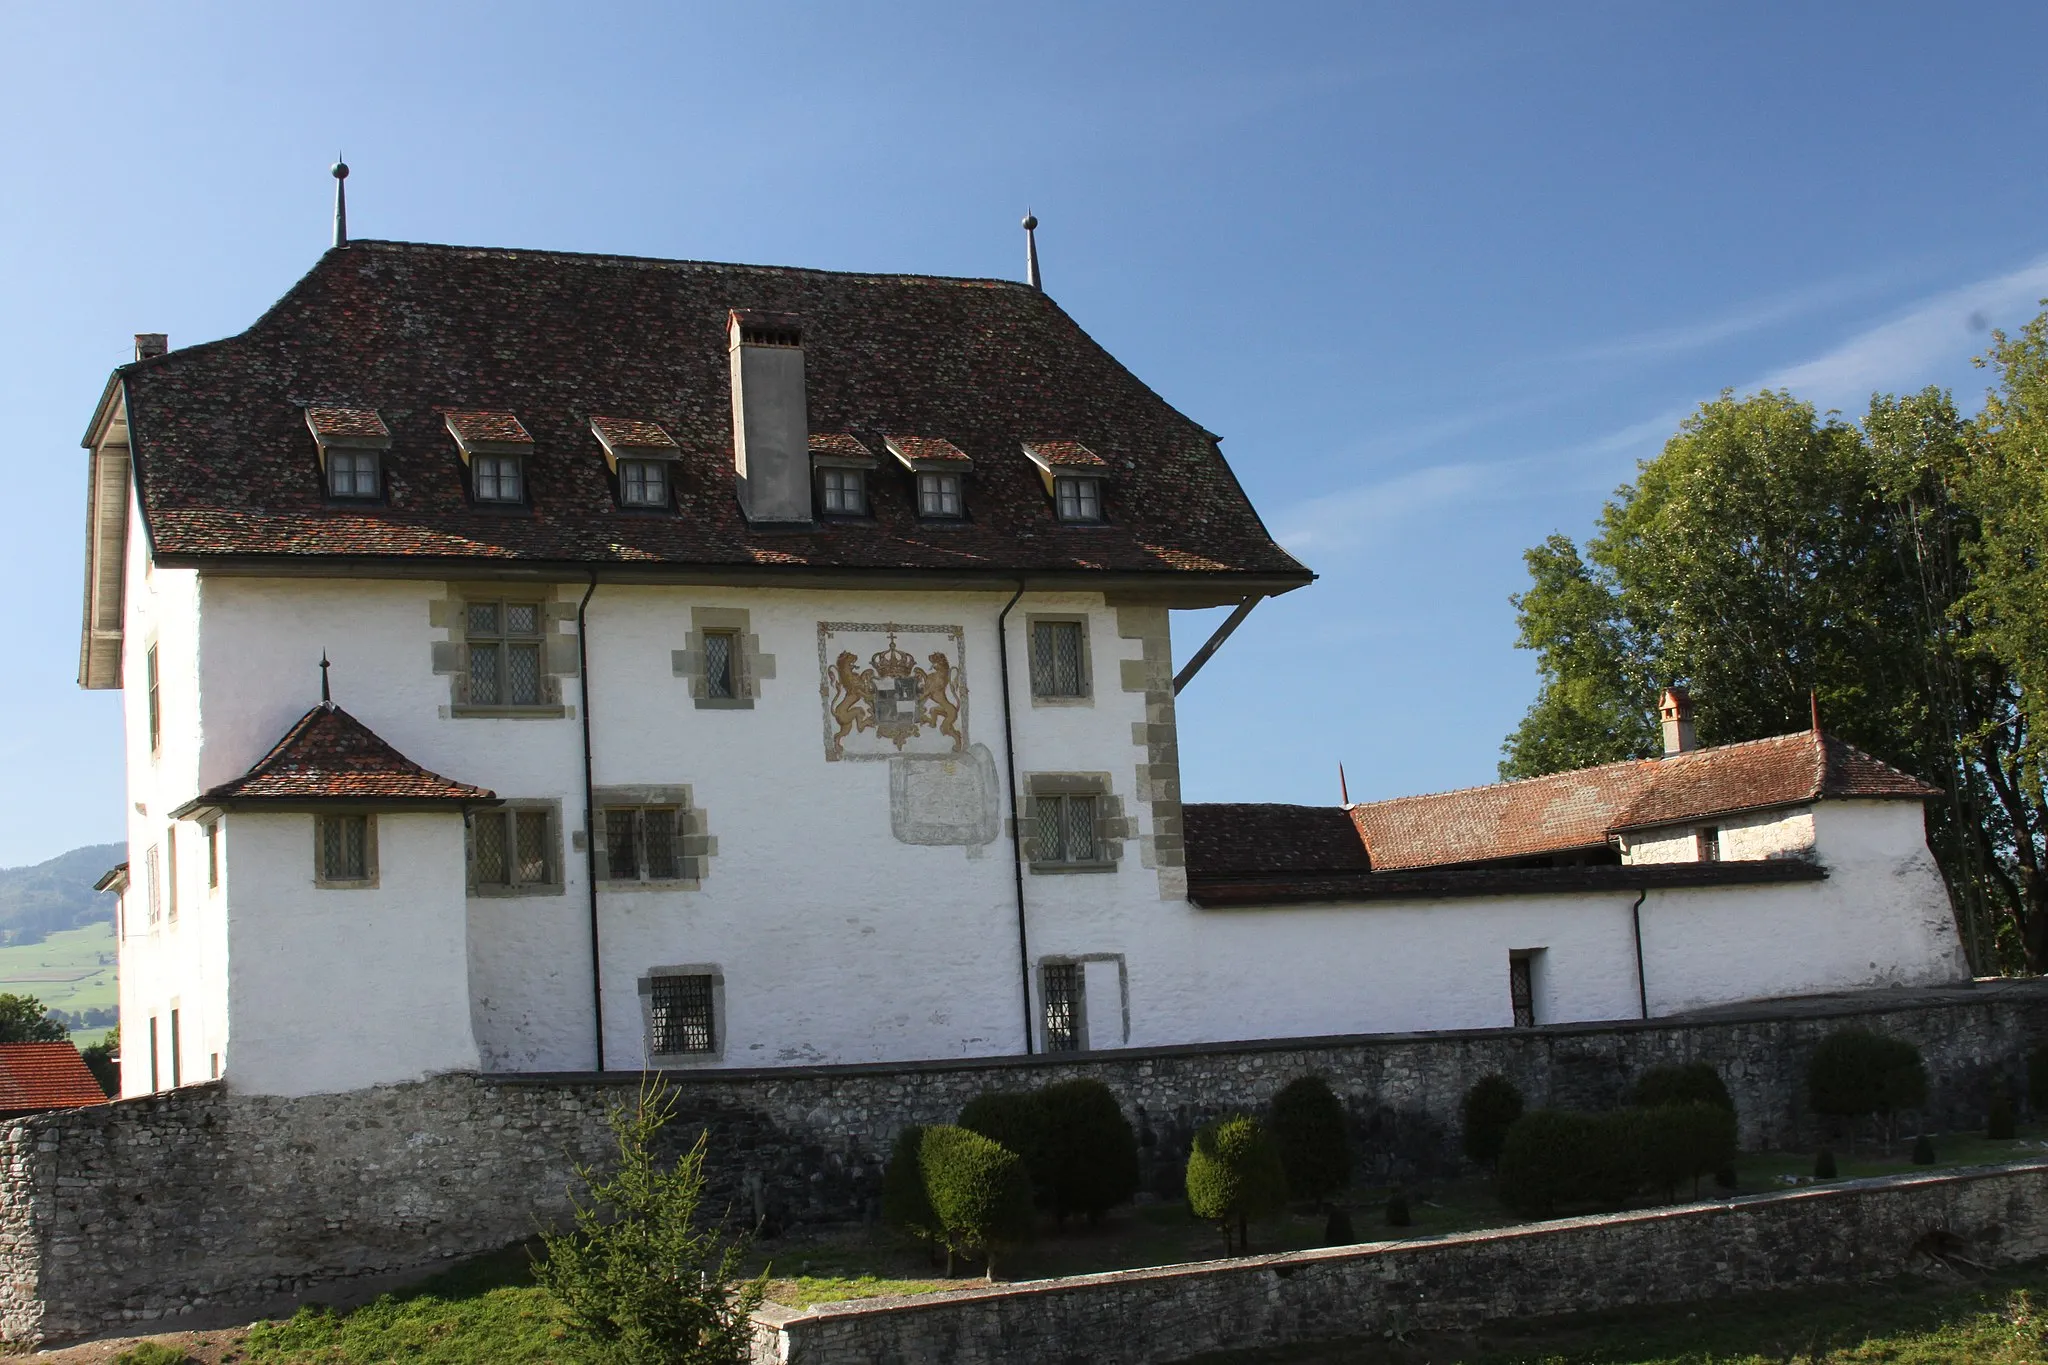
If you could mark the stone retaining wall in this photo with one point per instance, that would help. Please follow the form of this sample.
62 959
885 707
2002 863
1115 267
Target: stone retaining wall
1819 1236
124 1214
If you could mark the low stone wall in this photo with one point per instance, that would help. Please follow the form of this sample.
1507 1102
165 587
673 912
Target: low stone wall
1815 1236
124 1214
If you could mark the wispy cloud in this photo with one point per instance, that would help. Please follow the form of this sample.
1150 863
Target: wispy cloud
1341 519
1907 350
1749 317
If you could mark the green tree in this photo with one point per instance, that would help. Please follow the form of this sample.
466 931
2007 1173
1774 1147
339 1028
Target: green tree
1235 1176
636 1276
103 1060
1313 1138
905 1205
978 1190
1491 1107
1091 1152
24 1019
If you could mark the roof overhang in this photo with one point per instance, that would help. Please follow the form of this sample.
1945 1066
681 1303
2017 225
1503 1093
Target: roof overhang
1637 827
205 807
1364 887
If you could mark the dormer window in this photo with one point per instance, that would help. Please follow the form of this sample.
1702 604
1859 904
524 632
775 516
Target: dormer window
840 466
642 457
938 495
495 445
1073 475
351 443
1077 498
940 468
498 478
843 492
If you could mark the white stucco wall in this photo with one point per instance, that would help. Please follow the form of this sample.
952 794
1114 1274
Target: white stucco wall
1784 832
336 989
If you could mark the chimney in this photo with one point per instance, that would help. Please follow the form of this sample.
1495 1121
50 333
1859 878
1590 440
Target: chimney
771 440
150 345
1674 708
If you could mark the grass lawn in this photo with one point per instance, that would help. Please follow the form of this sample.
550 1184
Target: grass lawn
69 970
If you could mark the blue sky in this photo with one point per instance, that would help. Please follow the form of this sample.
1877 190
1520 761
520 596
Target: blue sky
1440 274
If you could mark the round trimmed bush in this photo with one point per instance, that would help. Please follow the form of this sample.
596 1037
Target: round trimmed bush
905 1205
1091 1154
1999 1124
1923 1150
1398 1215
1314 1140
1553 1157
1690 1083
1337 1229
1235 1175
1855 1072
1491 1108
978 1191
1824 1164
1016 1119
1683 1142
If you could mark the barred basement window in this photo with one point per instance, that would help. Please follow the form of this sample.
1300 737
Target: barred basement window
1521 991
1066 830
505 654
1062 992
498 478
351 473
512 849
1077 499
1058 662
843 492
342 844
682 1016
640 843
721 648
938 495
643 483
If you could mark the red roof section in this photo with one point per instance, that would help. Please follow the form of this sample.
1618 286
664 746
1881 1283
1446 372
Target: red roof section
332 422
928 449
45 1076
631 433
474 427
225 466
1066 454
330 755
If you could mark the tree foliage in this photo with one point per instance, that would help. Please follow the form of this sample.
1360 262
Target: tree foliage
24 1019
1491 1107
1313 1138
1235 1176
1091 1151
979 1193
102 1059
636 1275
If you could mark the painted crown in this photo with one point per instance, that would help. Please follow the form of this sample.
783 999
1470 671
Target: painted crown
893 662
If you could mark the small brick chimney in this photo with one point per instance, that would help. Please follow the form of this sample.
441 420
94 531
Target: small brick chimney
1674 708
150 345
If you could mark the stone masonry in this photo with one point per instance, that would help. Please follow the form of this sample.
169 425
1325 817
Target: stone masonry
126 1213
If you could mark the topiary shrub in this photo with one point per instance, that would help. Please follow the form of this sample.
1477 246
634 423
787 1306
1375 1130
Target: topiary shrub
1824 1164
1923 1150
1552 1157
1398 1215
1337 1229
979 1193
1855 1073
1314 1140
2037 1079
1091 1151
1682 1142
1016 1119
1999 1124
1689 1083
1235 1176
1491 1107
905 1205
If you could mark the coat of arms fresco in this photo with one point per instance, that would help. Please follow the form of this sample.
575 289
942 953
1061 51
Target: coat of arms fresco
892 690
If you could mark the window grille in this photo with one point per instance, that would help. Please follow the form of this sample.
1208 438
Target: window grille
511 848
643 483
771 336
505 654
938 495
155 1082
1057 668
1710 844
1062 1007
1521 992
351 473
156 724
177 1064
213 853
640 844
845 491
683 1016
153 887
720 648
1078 499
344 848
1066 830
498 478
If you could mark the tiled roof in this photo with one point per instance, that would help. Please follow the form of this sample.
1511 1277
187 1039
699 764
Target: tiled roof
1456 883
345 422
927 450
546 340
843 444
1559 813
474 428
45 1076
1065 454
330 755
630 433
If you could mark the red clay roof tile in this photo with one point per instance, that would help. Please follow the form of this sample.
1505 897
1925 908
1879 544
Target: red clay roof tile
331 423
330 755
917 450
478 428
45 1076
1064 455
631 433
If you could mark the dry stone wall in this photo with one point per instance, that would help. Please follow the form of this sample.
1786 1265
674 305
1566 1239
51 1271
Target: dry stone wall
131 1212
1812 1237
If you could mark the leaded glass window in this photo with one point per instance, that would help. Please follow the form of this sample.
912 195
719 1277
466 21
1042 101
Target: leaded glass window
156 712
352 473
641 844
1058 663
720 649
938 495
1066 830
505 654
499 478
344 848
683 1010
1521 992
1077 499
512 848
1062 991
643 483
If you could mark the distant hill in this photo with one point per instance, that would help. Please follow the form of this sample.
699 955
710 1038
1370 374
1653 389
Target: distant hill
40 900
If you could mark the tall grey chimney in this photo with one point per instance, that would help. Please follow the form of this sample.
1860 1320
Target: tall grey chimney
150 345
771 439
1674 708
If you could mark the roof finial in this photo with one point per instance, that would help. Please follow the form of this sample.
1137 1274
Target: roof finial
1343 787
1813 700
1031 252
340 169
326 698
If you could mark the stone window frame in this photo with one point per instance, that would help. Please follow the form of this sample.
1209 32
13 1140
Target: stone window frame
1527 964
1032 620
451 654
1112 825
696 846
153 697
750 665
510 811
320 877
1080 962
211 828
1707 844
153 886
719 1030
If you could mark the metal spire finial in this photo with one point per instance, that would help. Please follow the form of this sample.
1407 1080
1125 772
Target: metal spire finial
1813 700
326 698
340 169
1031 252
1343 787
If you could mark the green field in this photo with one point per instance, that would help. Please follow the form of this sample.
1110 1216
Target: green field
70 970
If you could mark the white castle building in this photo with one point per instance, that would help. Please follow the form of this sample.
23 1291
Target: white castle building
750 667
